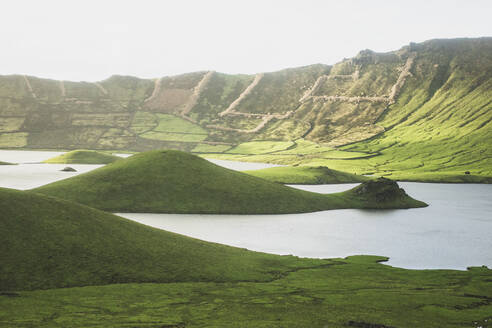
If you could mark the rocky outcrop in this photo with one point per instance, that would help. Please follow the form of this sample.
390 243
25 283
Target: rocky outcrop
381 190
68 169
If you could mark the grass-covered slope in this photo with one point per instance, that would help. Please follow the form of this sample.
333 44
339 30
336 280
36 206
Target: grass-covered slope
83 157
306 175
5 163
422 112
352 292
49 243
438 130
441 125
170 181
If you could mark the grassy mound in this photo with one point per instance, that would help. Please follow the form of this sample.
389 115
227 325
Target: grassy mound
48 243
306 175
83 157
170 181
5 163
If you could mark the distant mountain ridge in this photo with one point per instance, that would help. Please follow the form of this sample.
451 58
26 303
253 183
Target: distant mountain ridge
438 89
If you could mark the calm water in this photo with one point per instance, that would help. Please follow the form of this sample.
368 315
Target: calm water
453 232
30 174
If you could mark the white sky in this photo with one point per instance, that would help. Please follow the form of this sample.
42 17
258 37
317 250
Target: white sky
93 39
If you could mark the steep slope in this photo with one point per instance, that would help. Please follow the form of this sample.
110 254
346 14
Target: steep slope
442 122
177 182
83 157
48 243
422 109
306 175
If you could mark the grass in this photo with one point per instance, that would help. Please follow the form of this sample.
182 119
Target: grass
206 148
439 127
171 123
83 157
352 292
171 181
279 92
51 243
173 128
221 91
11 124
128 90
143 122
306 175
13 140
305 147
65 264
170 136
260 147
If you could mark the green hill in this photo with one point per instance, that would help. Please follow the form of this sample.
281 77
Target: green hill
51 243
83 157
137 276
5 163
306 175
422 112
171 181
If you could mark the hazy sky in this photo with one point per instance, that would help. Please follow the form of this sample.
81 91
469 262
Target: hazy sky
93 39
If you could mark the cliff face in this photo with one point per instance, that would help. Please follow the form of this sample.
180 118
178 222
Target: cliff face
439 88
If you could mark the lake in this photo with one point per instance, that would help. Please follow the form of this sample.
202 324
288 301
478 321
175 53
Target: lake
453 232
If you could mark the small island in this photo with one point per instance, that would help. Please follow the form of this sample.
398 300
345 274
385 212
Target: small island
83 157
68 169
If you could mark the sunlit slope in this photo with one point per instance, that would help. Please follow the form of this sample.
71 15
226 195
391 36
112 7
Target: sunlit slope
48 243
170 181
438 129
421 112
442 121
83 157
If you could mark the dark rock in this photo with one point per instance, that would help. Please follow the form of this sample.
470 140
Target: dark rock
9 294
467 172
381 190
68 169
362 324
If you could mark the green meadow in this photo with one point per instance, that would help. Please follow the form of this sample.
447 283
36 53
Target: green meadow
66 264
